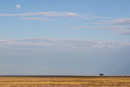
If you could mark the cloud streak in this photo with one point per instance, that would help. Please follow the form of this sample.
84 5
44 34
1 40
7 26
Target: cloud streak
37 18
63 43
54 14
91 16
125 21
50 14
121 30
37 15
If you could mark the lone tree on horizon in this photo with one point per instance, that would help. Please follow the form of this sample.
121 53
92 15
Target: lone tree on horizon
101 74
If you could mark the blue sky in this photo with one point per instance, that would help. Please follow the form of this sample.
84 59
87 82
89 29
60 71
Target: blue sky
64 37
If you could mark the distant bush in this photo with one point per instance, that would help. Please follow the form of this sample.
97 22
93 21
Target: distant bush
101 74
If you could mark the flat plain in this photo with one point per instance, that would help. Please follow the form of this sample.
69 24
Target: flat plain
64 81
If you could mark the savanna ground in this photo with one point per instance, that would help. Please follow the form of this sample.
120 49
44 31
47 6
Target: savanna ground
64 81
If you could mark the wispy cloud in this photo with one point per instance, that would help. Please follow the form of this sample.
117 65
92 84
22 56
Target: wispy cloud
37 15
121 30
99 17
57 14
125 21
91 16
37 18
121 26
53 14
62 43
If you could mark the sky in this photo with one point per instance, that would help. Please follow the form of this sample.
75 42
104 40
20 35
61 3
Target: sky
64 37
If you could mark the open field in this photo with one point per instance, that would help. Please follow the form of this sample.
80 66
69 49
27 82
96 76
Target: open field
65 81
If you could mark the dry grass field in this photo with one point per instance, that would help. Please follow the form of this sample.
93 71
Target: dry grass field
65 81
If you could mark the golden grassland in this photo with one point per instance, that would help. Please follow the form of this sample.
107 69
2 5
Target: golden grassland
65 81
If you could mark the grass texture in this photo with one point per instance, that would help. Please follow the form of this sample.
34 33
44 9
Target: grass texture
65 81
